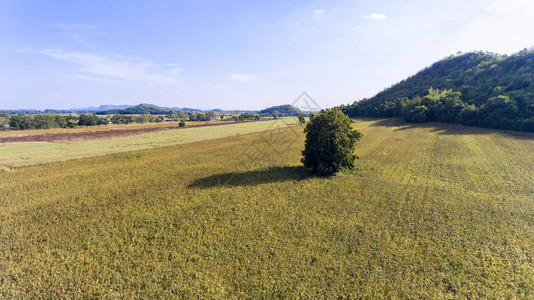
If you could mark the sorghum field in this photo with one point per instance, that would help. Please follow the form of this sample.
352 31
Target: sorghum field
432 211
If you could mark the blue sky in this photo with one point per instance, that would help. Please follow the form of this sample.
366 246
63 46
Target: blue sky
240 54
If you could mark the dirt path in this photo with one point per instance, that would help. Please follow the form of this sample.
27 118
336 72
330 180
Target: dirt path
57 137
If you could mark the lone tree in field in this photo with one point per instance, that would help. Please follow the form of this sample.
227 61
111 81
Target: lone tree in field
302 120
330 143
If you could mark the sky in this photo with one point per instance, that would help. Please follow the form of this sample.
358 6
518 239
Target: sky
237 54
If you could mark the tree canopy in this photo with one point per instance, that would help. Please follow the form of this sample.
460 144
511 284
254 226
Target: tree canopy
330 143
283 111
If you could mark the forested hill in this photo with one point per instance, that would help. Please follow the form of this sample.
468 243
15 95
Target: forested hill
480 89
283 110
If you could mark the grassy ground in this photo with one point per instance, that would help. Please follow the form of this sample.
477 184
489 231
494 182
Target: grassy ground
31 153
433 211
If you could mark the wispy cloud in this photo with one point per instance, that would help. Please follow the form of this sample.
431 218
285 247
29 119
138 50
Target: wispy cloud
117 67
319 12
376 17
243 77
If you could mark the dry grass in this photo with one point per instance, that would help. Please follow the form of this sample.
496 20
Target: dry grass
433 211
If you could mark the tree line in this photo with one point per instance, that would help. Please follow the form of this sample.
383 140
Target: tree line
47 121
499 112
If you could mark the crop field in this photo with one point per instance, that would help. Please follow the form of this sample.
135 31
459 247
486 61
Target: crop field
31 153
111 127
432 211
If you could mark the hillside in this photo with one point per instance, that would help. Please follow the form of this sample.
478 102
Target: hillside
480 89
138 110
283 110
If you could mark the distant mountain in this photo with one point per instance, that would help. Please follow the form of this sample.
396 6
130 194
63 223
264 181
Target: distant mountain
185 109
146 108
478 88
101 107
138 110
283 110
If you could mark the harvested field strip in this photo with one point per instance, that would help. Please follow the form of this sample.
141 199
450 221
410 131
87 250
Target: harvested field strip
98 128
29 153
97 134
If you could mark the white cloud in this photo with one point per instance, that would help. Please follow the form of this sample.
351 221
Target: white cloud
356 28
376 17
117 67
319 12
243 77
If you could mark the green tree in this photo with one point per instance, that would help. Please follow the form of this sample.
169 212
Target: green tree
71 123
4 120
330 143
182 123
276 114
302 120
210 115
17 122
144 118
201 117
87 120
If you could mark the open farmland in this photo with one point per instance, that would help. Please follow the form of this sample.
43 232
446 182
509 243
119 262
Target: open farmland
83 142
432 211
105 128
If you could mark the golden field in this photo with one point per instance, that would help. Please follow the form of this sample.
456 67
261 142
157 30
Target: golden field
432 211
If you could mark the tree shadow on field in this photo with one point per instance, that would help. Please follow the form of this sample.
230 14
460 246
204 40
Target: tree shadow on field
448 128
252 178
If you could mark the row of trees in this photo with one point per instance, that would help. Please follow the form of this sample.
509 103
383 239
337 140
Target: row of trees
42 121
499 112
46 121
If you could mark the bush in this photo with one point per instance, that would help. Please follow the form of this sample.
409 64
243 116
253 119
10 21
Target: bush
182 123
330 143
